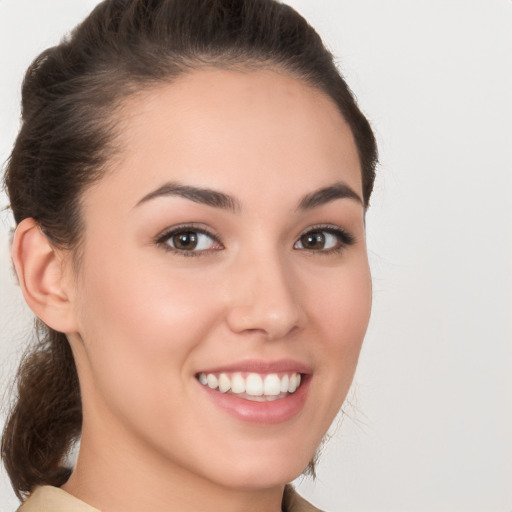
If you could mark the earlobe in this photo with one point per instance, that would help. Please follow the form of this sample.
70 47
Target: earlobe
40 270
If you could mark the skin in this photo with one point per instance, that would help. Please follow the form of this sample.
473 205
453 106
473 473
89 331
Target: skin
143 320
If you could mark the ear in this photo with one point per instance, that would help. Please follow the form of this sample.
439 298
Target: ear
43 279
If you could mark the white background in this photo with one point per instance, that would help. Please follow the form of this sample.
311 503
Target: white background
429 424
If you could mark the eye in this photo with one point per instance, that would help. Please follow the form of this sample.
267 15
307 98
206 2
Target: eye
188 239
326 239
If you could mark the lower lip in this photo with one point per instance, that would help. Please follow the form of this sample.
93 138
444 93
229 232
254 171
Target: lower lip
264 413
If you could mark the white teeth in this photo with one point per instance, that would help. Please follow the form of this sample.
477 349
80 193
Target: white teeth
212 381
292 386
254 385
271 385
237 383
284 383
224 383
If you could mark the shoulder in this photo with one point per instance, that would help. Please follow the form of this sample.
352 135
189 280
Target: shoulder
53 499
292 502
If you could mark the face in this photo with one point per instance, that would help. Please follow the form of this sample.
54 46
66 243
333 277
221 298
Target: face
224 261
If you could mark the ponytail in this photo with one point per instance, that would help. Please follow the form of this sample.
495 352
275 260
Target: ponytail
47 416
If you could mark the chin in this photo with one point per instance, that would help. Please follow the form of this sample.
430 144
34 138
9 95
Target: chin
264 472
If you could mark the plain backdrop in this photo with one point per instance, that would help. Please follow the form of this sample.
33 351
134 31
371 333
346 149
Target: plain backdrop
428 426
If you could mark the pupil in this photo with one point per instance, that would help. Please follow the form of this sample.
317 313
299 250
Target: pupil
313 240
185 241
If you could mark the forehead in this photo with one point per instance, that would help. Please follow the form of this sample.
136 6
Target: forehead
238 131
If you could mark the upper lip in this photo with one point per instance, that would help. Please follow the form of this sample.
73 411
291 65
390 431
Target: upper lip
262 366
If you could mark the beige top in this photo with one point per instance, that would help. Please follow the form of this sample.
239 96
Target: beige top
53 499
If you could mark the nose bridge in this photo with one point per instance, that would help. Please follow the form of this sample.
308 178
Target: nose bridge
264 296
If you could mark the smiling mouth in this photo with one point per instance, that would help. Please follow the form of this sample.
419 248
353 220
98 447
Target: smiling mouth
253 386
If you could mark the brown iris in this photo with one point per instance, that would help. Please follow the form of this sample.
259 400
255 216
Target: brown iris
186 241
313 240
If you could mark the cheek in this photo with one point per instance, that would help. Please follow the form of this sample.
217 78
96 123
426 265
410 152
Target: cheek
143 323
342 311
149 302
139 329
343 306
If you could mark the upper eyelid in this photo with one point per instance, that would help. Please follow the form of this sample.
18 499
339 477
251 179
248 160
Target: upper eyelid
187 227
333 228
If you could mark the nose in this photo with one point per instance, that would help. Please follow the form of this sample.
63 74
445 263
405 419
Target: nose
264 298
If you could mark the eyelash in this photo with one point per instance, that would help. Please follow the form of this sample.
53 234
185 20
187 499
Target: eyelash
344 240
163 238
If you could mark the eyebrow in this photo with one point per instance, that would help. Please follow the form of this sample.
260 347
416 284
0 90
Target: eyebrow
325 195
224 201
200 195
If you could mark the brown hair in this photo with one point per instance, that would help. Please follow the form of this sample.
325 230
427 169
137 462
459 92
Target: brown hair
70 96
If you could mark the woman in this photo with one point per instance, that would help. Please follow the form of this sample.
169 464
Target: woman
189 186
